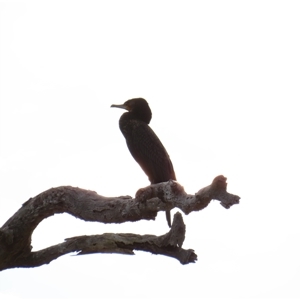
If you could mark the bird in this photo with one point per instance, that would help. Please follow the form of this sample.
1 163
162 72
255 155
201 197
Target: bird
143 144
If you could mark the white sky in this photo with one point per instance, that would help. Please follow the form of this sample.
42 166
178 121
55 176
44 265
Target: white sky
222 79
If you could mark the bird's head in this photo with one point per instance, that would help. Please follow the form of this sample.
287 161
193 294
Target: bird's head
138 107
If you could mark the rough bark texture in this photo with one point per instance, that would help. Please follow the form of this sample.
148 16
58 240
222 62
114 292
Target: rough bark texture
15 234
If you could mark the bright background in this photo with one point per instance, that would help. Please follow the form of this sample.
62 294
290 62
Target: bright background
222 80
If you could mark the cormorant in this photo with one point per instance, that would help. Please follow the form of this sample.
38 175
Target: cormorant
143 143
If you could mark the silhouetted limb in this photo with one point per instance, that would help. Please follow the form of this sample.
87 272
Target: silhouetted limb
15 234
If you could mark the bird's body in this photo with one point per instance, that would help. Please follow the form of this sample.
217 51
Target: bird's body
143 143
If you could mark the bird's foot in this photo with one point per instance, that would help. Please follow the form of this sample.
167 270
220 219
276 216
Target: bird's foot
143 194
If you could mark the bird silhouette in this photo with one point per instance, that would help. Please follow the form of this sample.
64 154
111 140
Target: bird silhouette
143 143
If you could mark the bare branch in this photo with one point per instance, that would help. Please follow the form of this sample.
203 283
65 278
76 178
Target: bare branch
15 235
171 194
121 243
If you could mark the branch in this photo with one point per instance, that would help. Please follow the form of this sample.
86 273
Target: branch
15 235
121 243
171 194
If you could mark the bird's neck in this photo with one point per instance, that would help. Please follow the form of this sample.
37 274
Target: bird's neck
128 121
143 116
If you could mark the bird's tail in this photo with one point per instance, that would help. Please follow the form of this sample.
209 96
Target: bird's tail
168 216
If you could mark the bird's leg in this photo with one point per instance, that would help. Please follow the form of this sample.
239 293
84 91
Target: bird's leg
144 194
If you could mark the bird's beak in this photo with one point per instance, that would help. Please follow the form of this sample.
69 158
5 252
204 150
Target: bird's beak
120 106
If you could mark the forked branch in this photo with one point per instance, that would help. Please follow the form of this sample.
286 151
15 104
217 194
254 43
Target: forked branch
15 235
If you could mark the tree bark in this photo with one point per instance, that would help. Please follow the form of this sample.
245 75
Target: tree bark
15 234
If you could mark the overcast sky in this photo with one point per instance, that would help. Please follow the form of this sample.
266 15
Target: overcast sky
222 80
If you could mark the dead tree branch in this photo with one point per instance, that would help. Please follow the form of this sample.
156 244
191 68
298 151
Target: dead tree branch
15 234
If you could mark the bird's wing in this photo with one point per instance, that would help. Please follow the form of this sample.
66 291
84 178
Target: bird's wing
149 152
